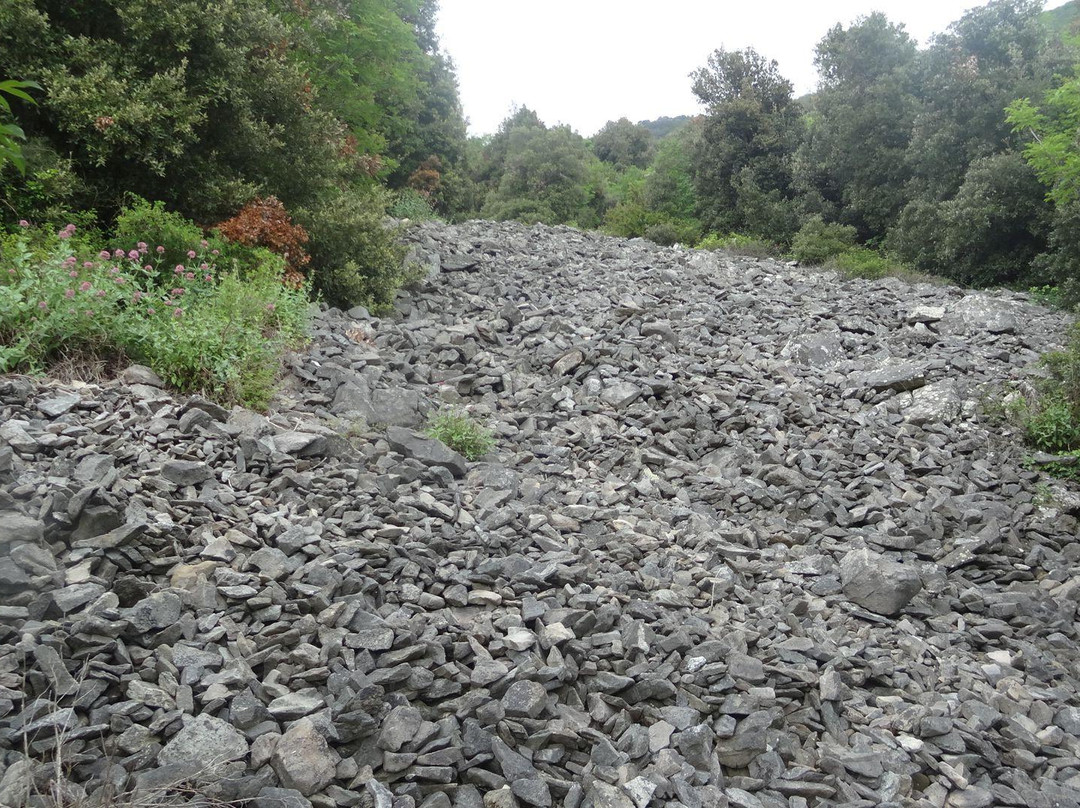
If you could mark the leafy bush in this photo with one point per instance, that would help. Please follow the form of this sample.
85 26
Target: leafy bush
739 244
461 433
10 133
409 203
354 257
862 262
1051 420
152 224
264 222
1051 425
663 233
818 241
629 219
1049 296
200 330
526 211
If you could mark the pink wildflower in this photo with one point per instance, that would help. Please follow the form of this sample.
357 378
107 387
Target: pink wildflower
148 268
88 264
189 275
135 298
270 307
84 286
73 274
104 255
43 305
141 245
118 253
149 311
204 266
160 249
208 278
215 252
204 244
101 293
134 255
177 311
69 293
190 253
179 269
23 223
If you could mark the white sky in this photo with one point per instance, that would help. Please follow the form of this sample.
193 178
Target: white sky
585 62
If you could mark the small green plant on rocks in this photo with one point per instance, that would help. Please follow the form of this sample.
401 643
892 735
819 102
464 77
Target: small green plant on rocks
461 432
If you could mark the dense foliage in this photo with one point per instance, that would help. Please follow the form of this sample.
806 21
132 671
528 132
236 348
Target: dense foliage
904 151
262 130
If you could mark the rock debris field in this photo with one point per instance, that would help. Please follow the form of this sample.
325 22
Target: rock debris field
747 538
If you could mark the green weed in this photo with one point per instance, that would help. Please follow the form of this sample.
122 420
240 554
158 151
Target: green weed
461 433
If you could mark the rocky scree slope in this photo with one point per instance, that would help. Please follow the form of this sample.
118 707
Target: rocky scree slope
746 540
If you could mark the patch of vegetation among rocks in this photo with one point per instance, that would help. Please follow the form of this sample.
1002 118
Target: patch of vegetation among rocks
461 432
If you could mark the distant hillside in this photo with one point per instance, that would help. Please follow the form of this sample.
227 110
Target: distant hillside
662 127
1063 19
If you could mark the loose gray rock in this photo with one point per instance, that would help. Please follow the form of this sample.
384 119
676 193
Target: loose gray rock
876 583
205 742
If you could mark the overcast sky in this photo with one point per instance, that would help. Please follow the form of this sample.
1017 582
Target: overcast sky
585 62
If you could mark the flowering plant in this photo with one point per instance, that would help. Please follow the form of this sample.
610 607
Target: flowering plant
198 329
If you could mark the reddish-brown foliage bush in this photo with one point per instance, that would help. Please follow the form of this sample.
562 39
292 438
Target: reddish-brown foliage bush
264 222
427 178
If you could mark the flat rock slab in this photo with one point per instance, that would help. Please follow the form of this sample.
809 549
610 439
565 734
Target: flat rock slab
427 450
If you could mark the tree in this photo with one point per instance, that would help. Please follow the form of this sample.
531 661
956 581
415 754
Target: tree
861 122
1053 153
623 144
992 55
996 224
750 132
544 176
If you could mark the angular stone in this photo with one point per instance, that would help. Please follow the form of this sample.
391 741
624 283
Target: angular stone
206 742
303 760
876 583
186 472
426 450
399 728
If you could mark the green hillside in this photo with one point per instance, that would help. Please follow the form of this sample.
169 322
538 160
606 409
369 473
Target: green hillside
1062 20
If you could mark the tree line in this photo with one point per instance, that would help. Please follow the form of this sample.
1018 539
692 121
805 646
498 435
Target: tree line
930 156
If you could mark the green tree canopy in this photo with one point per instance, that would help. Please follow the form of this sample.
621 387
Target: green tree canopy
624 144
750 132
861 122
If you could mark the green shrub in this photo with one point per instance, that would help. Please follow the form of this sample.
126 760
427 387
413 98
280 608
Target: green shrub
168 235
1050 296
355 259
1052 420
411 204
200 329
739 244
818 241
663 233
461 433
1052 425
526 211
862 262
628 219
46 192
